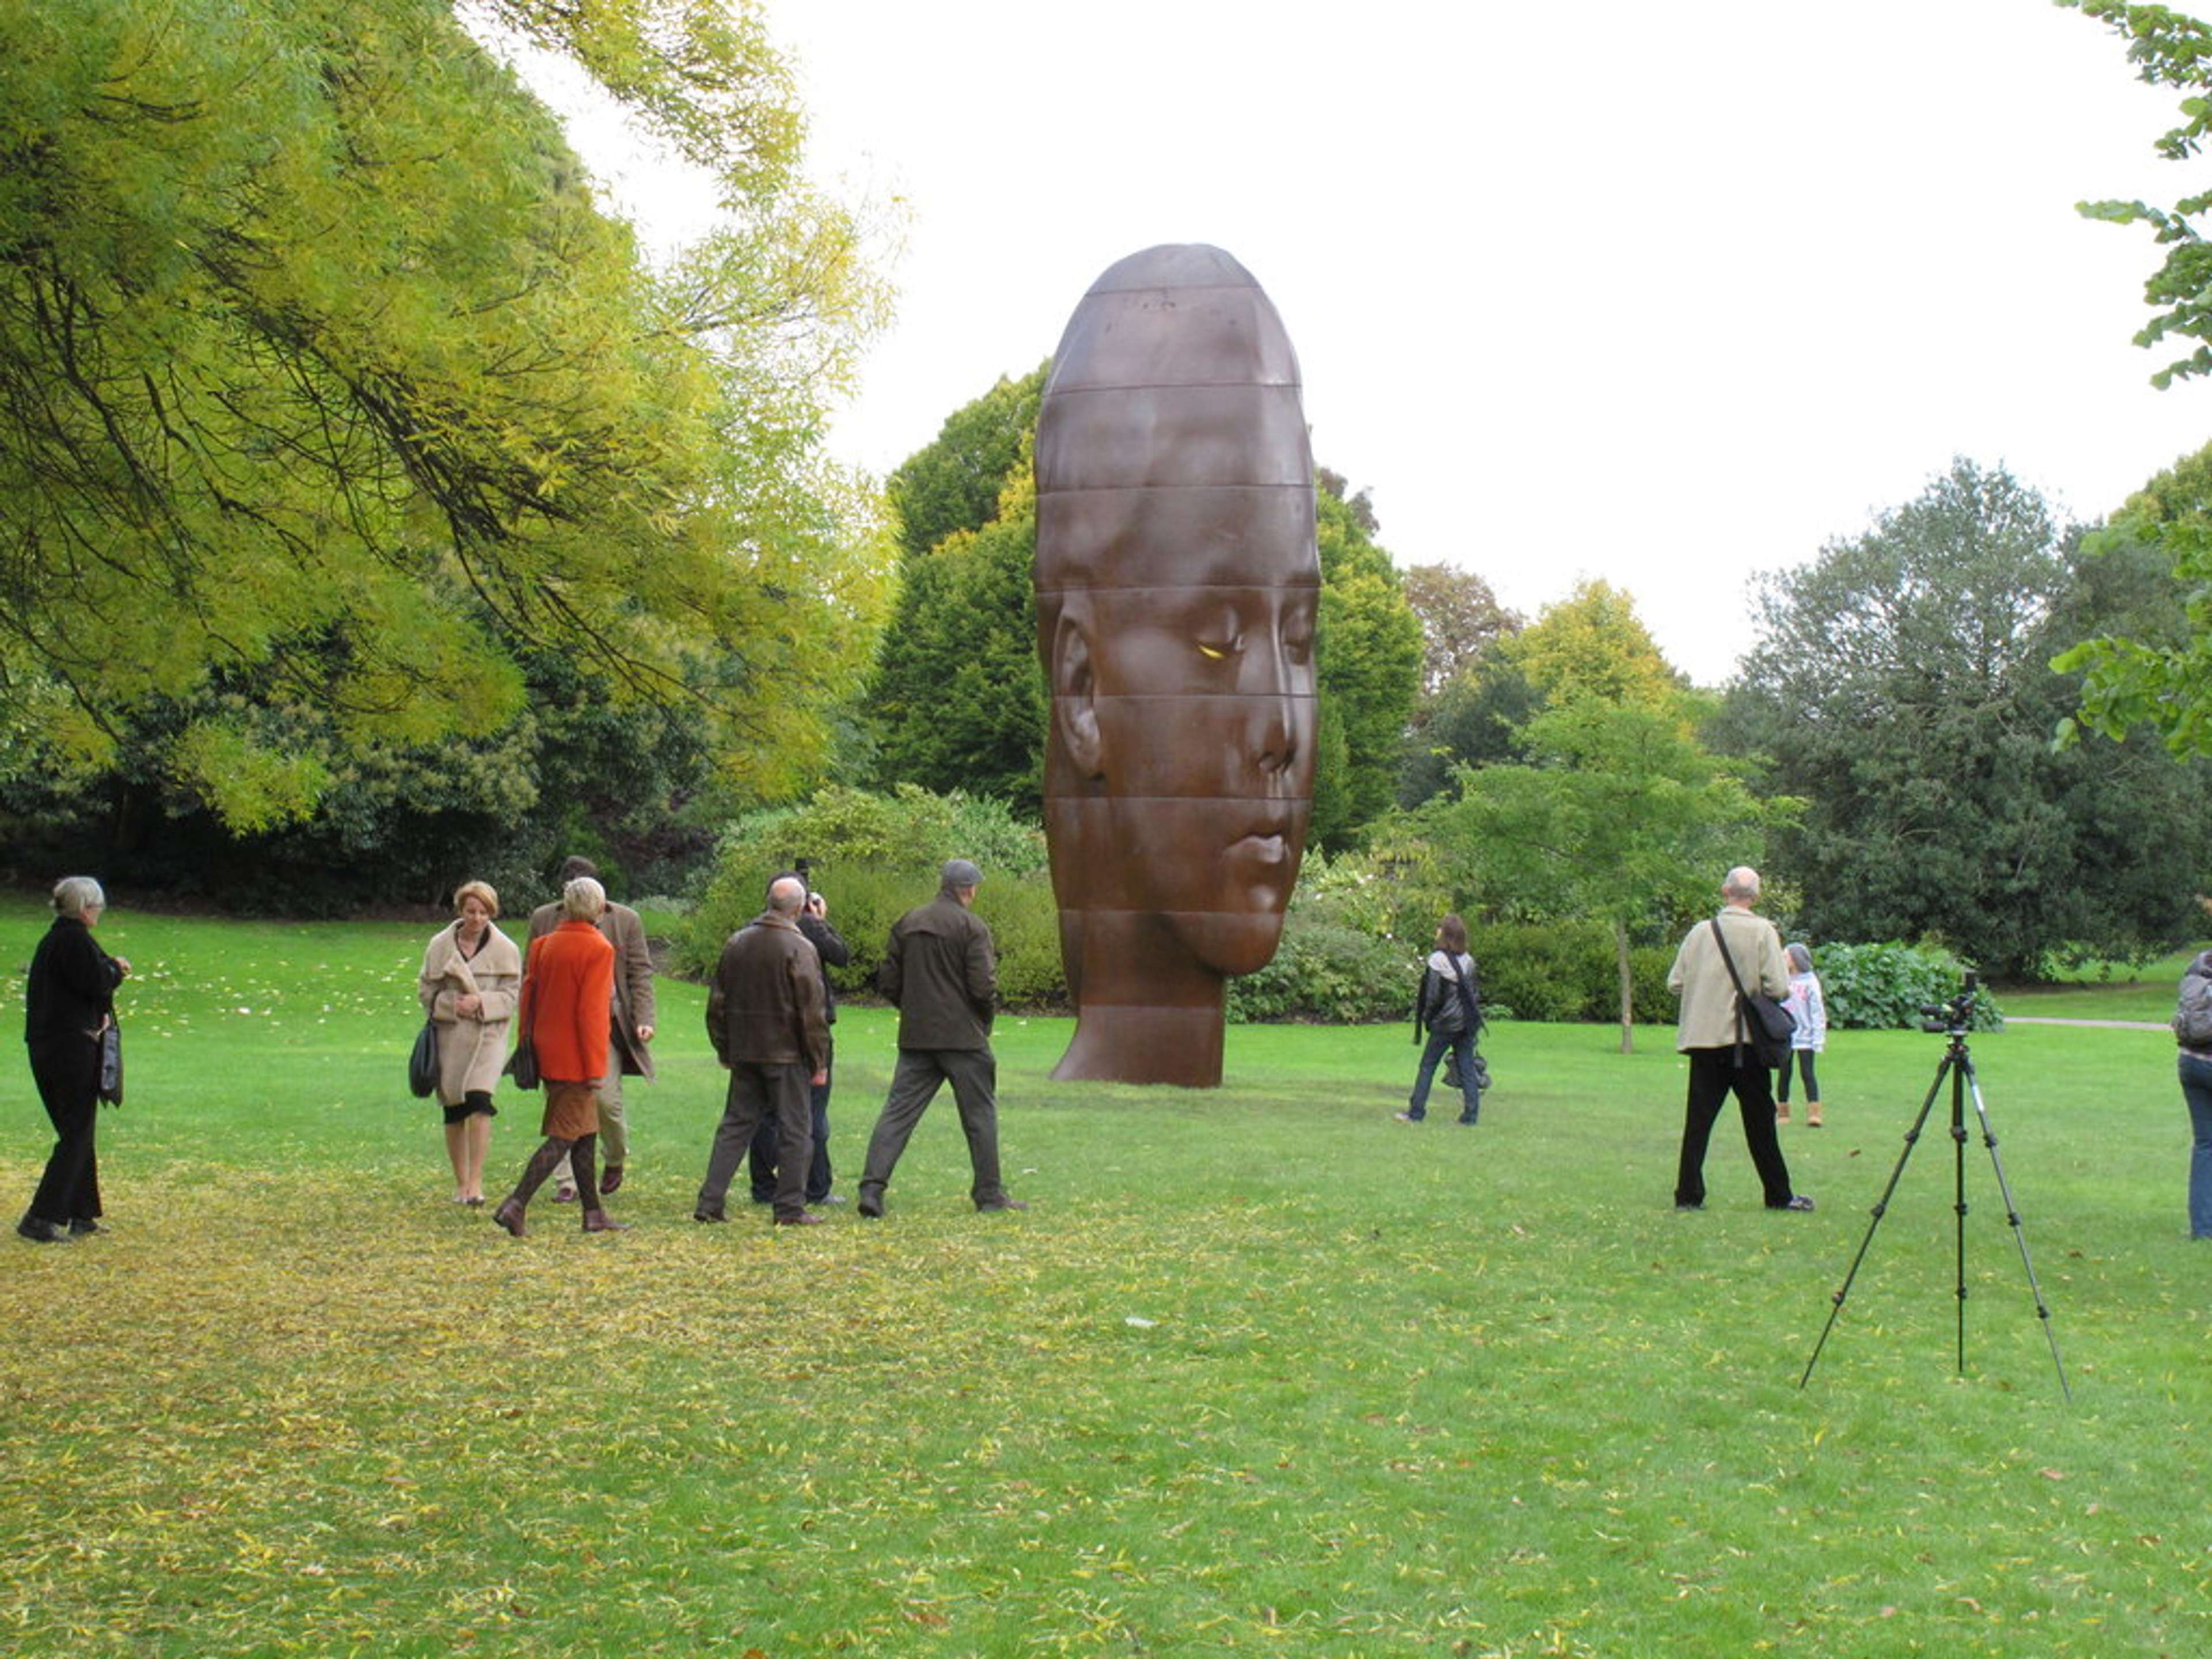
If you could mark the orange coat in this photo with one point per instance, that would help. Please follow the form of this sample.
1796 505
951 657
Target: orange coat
567 998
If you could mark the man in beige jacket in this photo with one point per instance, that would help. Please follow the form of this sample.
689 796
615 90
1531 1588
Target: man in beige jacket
1717 1037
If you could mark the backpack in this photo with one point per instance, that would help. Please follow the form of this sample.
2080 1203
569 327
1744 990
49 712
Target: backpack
2192 1014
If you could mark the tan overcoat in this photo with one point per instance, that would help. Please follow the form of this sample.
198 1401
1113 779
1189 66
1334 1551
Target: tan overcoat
470 1051
1701 978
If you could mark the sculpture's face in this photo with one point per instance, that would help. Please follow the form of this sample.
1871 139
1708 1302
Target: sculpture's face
1204 698
1177 586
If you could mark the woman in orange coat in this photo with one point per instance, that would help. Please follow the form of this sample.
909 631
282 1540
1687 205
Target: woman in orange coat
567 994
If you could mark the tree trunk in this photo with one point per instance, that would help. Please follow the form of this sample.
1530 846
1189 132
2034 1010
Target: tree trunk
1627 987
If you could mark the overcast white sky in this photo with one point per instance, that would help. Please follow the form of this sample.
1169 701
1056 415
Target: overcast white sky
1667 295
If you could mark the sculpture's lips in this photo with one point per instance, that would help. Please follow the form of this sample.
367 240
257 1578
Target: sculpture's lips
1262 848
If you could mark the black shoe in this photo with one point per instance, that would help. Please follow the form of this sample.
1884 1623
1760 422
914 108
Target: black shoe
1689 1206
1799 1203
42 1232
1002 1202
872 1206
84 1227
708 1215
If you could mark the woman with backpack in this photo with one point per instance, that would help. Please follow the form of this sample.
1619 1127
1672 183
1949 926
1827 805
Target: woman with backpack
1449 1007
2192 1030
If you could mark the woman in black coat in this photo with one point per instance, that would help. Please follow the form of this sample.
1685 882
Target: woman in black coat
69 1001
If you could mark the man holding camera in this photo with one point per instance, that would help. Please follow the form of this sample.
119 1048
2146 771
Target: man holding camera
814 926
1716 1035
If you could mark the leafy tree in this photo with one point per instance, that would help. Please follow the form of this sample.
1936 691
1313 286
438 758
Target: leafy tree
1619 814
2149 671
953 484
1900 686
958 696
1367 664
1460 619
2171 48
1593 643
2161 681
329 395
1477 720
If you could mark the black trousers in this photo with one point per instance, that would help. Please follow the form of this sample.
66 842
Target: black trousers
1714 1075
68 1076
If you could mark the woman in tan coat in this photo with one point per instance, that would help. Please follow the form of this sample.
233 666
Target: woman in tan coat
470 975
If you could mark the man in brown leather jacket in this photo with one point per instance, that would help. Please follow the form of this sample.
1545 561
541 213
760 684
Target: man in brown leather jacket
765 1018
941 972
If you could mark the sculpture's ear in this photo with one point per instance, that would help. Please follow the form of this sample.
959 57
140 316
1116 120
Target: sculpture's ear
1074 708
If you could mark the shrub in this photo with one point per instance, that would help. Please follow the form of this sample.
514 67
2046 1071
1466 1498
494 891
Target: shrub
1338 962
1884 986
874 857
1566 970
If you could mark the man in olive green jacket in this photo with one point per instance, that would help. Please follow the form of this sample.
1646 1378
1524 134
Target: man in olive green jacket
941 972
1715 1036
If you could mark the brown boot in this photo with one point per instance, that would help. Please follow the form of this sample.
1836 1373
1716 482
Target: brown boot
1812 1114
1782 1112
598 1221
509 1216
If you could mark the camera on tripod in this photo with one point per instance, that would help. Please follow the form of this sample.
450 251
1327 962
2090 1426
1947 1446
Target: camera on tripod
1951 1019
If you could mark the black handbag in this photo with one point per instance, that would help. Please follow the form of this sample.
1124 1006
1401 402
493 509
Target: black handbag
110 1063
422 1062
1760 1021
522 1064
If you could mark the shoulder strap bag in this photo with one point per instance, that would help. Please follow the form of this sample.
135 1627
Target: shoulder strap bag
1761 1023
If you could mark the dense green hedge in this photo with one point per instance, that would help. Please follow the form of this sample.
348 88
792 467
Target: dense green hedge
1884 986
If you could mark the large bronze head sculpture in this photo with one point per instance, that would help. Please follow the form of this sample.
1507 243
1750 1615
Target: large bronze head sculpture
1176 586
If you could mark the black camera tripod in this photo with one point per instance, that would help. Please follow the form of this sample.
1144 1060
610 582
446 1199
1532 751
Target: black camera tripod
1957 1065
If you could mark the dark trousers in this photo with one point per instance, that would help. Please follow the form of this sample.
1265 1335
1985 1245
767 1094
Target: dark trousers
68 1076
770 1133
1804 1059
1461 1046
974 1075
1713 1074
775 1094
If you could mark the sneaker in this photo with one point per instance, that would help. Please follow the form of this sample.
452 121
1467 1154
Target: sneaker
1409 1117
1678 1208
1799 1202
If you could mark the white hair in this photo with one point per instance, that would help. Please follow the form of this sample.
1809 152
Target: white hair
583 900
75 895
1740 882
786 894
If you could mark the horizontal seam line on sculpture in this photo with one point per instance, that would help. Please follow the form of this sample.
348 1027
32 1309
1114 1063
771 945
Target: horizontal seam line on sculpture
1182 587
1133 489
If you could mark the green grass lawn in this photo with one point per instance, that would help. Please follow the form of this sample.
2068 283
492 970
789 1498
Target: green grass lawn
1262 1372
